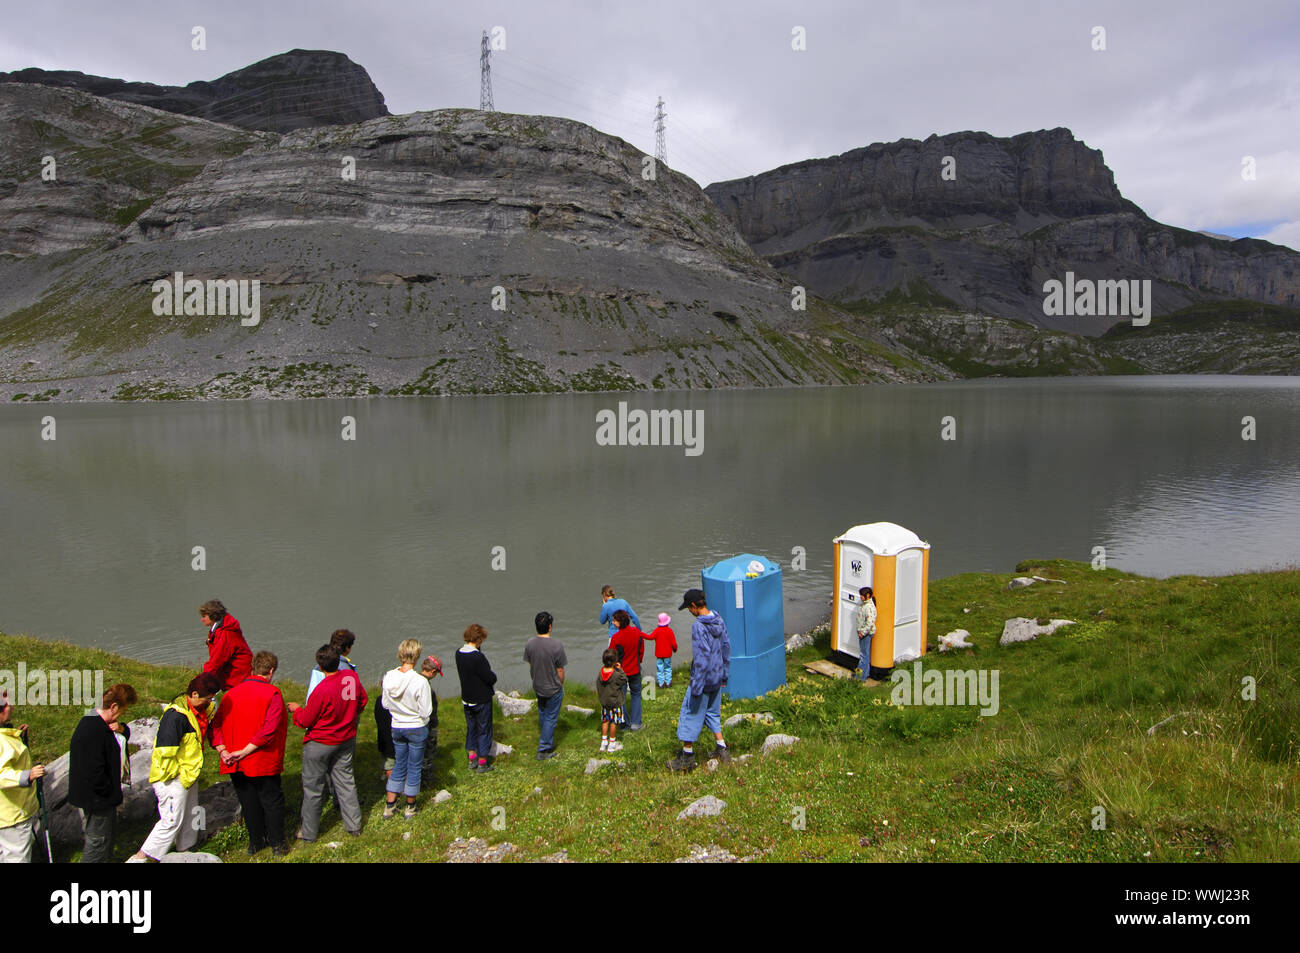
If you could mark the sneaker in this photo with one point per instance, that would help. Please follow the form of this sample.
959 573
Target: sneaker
615 746
722 753
483 768
635 727
685 761
410 812
279 850
545 755
305 840
390 810
604 744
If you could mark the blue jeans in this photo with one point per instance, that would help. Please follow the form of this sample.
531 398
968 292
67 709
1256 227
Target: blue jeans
548 714
699 711
408 748
664 670
478 730
864 649
633 706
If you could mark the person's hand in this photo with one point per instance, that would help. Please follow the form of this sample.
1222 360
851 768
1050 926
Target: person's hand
38 771
294 706
22 729
115 726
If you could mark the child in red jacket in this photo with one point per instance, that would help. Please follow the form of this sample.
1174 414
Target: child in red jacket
665 645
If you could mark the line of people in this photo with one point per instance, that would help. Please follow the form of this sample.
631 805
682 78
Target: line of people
249 728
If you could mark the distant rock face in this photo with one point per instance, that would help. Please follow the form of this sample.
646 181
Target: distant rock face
107 162
288 91
469 252
883 227
1026 180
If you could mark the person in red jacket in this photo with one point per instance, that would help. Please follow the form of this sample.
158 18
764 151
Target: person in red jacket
249 732
229 657
330 717
628 643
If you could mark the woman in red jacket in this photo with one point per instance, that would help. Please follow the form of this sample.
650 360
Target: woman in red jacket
248 732
229 657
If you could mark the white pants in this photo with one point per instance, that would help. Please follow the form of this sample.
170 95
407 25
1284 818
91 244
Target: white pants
178 818
16 842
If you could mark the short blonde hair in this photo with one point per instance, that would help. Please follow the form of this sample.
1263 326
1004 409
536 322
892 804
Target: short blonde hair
408 653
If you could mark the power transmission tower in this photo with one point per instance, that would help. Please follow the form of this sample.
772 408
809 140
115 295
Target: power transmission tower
661 146
485 75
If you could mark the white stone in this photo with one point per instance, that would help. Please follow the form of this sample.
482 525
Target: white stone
443 795
759 717
577 710
595 764
707 806
1026 630
796 642
189 857
956 639
1020 582
513 704
499 749
772 742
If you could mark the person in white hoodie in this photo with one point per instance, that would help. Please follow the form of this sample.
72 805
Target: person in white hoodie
407 696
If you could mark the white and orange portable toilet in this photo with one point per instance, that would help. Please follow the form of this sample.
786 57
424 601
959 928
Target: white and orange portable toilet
895 563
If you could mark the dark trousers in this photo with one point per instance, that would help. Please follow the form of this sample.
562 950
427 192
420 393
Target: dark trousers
99 828
478 729
262 802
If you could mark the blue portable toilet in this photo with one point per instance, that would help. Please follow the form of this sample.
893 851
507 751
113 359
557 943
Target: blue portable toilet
746 591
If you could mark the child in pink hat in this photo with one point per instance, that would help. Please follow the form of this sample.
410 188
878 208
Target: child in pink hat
665 645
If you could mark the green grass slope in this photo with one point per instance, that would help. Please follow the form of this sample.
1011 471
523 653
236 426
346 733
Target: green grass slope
870 780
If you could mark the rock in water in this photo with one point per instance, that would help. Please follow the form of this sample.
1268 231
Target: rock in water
773 742
707 806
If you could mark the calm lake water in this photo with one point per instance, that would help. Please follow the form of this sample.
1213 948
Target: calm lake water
392 535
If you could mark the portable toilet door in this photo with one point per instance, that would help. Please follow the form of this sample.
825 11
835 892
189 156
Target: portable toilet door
895 563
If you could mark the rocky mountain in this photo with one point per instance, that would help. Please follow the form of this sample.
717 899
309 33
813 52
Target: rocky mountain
280 93
977 224
443 252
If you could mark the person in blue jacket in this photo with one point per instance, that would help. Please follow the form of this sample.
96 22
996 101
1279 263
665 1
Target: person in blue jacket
610 605
710 668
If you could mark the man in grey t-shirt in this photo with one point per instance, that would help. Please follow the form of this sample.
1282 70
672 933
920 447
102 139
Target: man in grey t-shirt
546 661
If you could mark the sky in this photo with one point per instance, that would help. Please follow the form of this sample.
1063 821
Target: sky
1185 100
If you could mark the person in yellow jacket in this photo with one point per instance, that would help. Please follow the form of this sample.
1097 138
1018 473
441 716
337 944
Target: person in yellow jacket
18 802
174 770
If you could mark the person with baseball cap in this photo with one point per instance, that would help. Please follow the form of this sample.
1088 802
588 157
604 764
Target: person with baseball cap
710 668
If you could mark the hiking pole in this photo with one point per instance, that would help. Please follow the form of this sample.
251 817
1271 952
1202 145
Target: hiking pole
45 817
40 799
